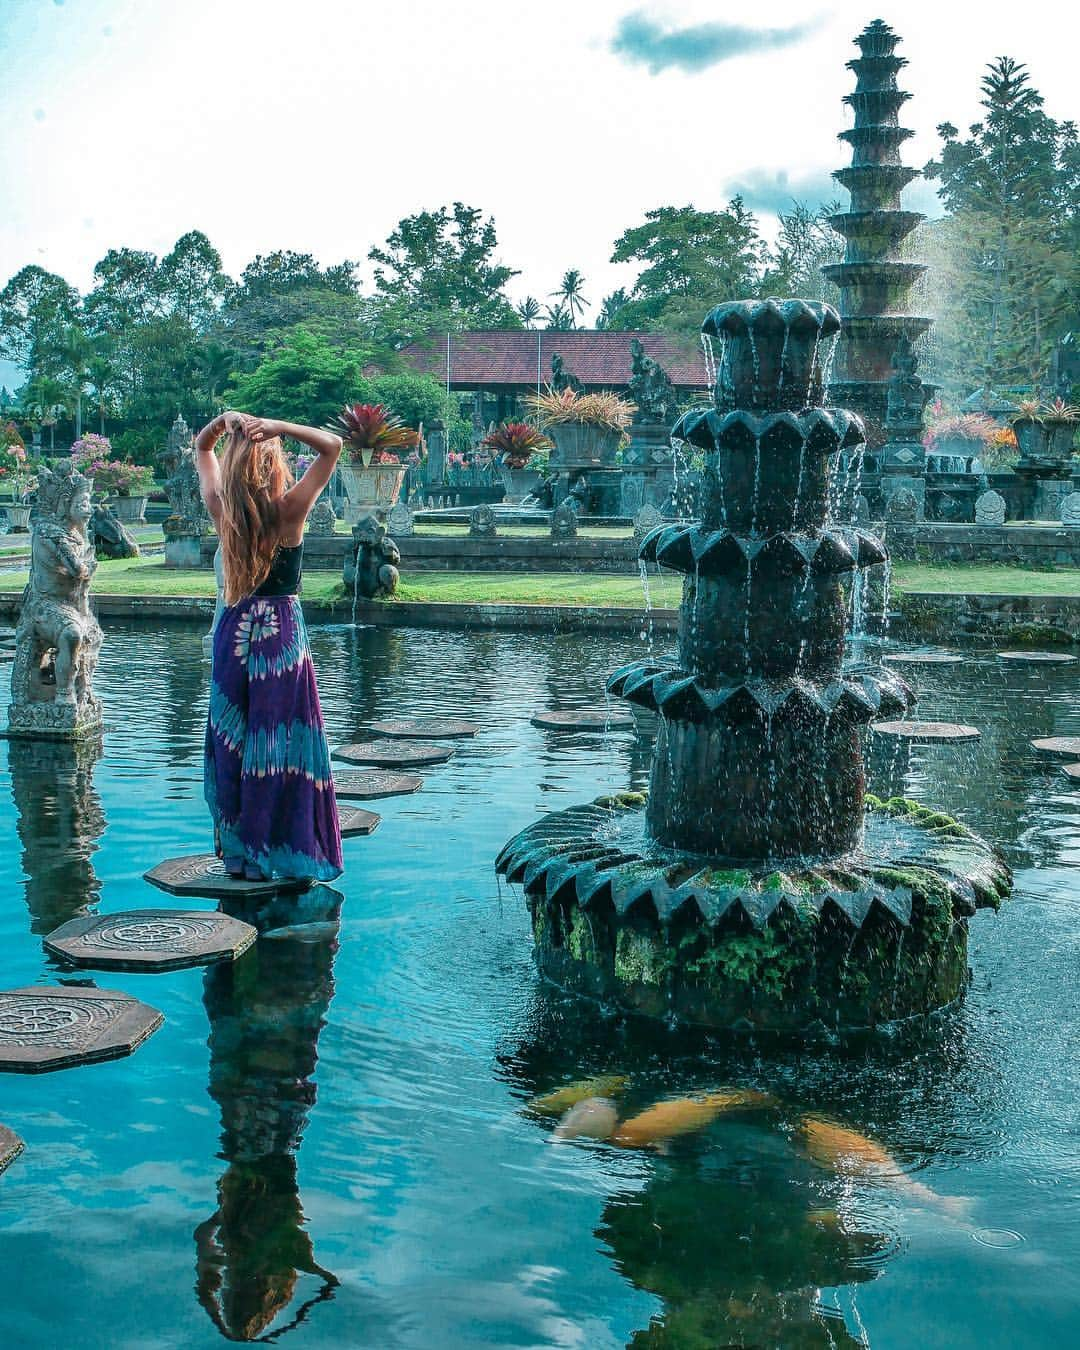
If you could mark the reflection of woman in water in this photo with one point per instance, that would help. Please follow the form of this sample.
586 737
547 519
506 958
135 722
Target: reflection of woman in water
267 765
265 1014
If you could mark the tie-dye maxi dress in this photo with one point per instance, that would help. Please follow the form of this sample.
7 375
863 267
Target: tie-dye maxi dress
267 764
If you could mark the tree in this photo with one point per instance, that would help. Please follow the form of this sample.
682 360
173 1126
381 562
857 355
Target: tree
34 307
610 307
45 399
1011 244
191 279
70 358
529 310
689 259
304 379
282 291
558 318
570 296
102 376
437 272
805 243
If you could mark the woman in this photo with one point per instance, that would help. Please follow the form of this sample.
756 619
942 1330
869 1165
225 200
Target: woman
267 765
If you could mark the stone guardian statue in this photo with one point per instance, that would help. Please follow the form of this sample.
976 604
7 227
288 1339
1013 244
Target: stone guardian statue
58 640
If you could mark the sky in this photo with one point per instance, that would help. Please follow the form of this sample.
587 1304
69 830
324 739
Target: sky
316 126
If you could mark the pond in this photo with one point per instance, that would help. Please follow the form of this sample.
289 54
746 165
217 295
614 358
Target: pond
328 1142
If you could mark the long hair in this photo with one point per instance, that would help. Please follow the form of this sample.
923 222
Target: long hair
254 475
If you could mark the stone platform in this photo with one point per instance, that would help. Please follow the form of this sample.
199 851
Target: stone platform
45 1027
150 940
583 719
356 821
10 1146
390 754
424 728
373 784
204 875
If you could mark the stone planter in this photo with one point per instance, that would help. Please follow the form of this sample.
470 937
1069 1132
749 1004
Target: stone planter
128 510
371 491
956 448
1046 447
579 445
18 516
519 483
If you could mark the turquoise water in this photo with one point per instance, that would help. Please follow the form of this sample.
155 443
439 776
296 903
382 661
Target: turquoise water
327 1142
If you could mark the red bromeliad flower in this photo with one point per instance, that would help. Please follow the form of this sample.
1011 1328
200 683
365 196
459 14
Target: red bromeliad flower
515 443
372 433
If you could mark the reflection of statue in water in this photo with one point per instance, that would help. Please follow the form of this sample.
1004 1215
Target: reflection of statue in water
266 1012
561 378
650 388
59 822
57 640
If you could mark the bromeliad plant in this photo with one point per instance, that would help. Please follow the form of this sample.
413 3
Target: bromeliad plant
943 426
515 443
1036 410
603 409
373 434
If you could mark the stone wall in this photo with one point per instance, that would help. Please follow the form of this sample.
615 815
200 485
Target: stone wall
1044 546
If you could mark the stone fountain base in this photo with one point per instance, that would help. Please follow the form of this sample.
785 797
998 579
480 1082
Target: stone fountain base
865 940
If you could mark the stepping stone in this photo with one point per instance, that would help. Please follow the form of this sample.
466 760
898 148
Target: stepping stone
355 820
924 658
203 874
375 783
927 733
584 719
393 754
425 728
1058 745
56 1027
151 939
1039 658
1072 771
10 1146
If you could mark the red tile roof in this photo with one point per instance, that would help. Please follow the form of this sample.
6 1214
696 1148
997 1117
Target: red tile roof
491 358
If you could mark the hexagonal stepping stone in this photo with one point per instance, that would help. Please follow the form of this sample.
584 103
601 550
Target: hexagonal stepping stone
394 754
372 784
927 733
1039 658
10 1146
151 939
424 728
924 658
356 821
47 1027
203 874
1069 746
583 719
1071 771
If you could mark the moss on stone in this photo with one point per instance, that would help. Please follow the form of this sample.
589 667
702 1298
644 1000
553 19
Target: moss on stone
622 801
640 957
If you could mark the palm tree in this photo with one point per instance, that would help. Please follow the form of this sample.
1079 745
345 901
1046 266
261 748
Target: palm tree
569 294
74 351
558 317
529 310
46 398
102 375
215 364
610 307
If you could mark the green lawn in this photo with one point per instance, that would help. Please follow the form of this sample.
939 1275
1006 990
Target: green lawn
149 576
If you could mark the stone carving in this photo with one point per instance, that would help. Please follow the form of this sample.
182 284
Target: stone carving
375 561
861 514
51 1027
482 522
57 640
370 785
323 518
990 508
646 520
400 520
561 378
1070 511
425 728
150 939
906 396
949 508
188 514
564 522
355 821
650 387
902 507
112 539
394 754
204 875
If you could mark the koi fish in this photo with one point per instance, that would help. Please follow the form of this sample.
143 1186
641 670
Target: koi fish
653 1127
558 1102
594 1118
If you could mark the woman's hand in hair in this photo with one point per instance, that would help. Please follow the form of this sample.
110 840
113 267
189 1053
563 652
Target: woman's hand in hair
263 428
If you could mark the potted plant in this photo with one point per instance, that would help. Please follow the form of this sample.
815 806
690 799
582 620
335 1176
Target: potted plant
1045 433
586 428
515 445
126 487
962 436
373 472
16 480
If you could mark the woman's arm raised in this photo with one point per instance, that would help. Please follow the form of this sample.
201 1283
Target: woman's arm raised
206 460
302 496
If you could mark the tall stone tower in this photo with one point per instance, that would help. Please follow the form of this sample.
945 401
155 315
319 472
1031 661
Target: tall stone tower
878 329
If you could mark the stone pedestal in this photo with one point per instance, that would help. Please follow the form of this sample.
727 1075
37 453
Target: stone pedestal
1049 496
183 548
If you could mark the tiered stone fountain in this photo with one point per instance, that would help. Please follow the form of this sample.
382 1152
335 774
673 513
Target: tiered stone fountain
875 282
758 885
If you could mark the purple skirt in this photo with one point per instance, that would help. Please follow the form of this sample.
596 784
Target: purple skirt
267 774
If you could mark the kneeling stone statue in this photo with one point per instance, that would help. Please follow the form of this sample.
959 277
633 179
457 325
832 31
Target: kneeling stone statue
58 640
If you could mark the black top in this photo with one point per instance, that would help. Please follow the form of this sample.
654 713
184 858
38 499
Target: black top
284 575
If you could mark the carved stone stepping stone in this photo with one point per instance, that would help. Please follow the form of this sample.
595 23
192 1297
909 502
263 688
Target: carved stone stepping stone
425 728
927 733
369 786
151 939
55 1027
1039 658
1072 771
925 658
394 754
203 874
10 1146
356 821
1069 746
584 719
